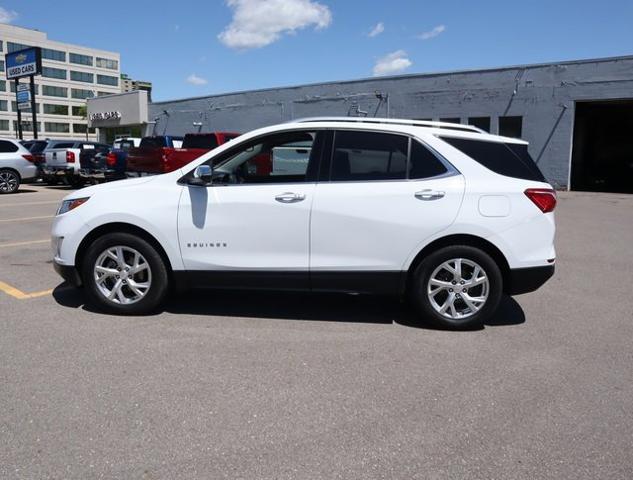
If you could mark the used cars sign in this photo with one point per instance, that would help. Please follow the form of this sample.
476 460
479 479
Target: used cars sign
24 63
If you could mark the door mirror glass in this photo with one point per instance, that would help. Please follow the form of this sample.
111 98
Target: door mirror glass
202 175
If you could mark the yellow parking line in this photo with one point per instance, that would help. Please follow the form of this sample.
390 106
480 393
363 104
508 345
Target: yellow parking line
19 294
24 219
19 244
28 203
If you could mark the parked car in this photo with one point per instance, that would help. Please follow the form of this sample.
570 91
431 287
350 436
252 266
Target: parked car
446 215
104 165
193 146
62 161
36 147
150 156
16 165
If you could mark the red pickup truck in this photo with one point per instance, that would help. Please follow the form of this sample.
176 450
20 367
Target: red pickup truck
162 154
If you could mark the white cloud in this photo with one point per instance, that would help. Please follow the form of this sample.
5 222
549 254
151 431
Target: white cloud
257 23
394 62
194 79
377 30
432 33
7 16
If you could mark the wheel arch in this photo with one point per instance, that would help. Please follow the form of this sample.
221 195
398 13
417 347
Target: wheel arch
461 239
14 170
120 227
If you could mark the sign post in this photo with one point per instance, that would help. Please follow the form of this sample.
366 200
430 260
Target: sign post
24 63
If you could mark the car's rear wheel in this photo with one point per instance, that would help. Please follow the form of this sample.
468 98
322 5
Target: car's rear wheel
9 181
457 287
124 274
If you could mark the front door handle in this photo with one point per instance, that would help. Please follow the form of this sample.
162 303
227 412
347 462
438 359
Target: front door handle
290 197
429 194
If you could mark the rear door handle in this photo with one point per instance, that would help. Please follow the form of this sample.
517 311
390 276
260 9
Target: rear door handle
429 194
290 197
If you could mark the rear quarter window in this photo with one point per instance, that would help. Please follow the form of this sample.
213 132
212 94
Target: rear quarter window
510 160
7 147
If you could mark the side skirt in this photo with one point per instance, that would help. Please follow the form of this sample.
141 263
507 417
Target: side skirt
377 283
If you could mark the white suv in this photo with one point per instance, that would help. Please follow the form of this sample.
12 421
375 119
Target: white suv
446 214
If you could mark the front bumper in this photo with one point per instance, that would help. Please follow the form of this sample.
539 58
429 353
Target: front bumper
69 273
525 280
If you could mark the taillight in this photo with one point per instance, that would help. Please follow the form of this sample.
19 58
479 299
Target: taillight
70 157
30 158
543 198
111 159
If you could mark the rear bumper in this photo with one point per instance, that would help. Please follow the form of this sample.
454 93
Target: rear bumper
69 273
50 171
525 280
100 174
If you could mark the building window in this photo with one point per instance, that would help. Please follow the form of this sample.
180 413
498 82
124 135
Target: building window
4 106
55 109
107 63
3 85
451 120
107 80
57 127
82 76
1 45
511 126
4 125
50 54
27 126
102 94
54 91
51 72
14 107
1 65
81 94
81 128
80 59
480 122
14 47
12 87
78 111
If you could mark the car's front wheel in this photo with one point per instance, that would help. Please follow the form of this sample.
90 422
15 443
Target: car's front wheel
9 181
124 274
457 287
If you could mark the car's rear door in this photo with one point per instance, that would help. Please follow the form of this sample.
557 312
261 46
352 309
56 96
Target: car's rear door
384 196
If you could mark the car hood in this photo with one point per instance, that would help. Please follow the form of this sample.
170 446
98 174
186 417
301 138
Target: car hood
110 186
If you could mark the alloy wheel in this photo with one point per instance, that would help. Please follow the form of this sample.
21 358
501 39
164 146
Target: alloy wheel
122 275
458 288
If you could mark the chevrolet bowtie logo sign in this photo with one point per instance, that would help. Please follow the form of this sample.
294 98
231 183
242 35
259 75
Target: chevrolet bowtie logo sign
23 63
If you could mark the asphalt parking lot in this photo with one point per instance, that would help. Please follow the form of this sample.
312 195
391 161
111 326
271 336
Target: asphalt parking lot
244 385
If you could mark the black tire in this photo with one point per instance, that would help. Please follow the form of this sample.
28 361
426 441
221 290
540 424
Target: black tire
159 284
419 283
9 181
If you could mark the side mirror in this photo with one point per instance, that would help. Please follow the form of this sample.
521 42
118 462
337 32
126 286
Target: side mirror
202 176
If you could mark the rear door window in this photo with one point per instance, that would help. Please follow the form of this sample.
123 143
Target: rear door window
365 156
424 163
504 159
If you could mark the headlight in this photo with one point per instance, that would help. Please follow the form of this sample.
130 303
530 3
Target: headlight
68 205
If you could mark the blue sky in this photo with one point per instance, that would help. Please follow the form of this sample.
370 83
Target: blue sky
189 48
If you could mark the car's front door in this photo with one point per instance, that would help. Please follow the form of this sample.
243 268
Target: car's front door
250 228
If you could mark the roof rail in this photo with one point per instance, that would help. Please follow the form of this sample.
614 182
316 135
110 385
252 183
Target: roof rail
393 121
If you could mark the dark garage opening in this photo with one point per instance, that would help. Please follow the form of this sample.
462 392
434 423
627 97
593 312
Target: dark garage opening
602 159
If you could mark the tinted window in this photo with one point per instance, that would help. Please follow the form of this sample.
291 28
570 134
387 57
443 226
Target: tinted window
200 141
362 156
36 147
522 152
498 157
423 163
62 145
153 142
7 147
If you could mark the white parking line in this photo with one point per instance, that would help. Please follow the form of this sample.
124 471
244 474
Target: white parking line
24 219
28 203
20 244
